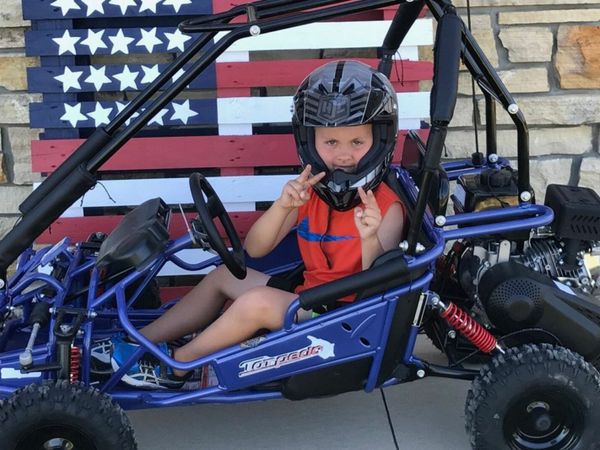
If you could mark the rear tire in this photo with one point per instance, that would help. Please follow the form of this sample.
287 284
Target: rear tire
535 397
59 415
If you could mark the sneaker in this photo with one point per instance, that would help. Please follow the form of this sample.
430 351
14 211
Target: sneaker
148 372
101 352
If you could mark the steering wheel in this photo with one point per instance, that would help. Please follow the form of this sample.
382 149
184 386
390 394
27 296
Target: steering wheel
212 208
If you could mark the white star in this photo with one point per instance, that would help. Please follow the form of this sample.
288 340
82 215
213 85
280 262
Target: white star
158 118
65 5
121 107
149 39
97 77
66 43
73 114
150 74
127 78
100 115
183 112
149 5
178 75
94 41
176 40
123 4
120 42
93 6
69 79
176 4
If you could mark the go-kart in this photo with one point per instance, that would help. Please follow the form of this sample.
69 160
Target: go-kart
504 277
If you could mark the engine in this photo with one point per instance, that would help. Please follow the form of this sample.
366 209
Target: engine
544 254
549 281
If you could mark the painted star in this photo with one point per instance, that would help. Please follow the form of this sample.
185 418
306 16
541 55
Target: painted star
65 6
123 4
149 40
176 4
176 40
121 107
94 41
100 115
66 43
120 43
149 5
73 114
94 6
183 112
127 78
69 79
150 74
97 77
158 118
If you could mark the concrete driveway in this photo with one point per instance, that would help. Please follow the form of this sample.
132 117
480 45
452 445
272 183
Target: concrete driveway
426 414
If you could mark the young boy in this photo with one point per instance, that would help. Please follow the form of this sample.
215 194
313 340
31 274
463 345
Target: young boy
345 125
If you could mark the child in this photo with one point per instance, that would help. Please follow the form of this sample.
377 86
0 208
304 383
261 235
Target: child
345 125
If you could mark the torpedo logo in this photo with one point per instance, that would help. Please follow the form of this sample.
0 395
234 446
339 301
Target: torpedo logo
317 347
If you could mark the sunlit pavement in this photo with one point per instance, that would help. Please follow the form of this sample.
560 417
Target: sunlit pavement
426 414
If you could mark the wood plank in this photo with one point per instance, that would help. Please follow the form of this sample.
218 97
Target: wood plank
45 9
413 106
359 34
231 76
80 228
236 193
183 152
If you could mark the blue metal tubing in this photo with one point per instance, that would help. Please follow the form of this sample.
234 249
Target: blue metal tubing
60 289
518 215
216 396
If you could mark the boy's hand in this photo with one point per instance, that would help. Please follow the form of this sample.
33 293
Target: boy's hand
295 193
367 218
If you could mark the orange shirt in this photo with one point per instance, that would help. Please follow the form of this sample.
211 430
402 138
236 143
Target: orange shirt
329 241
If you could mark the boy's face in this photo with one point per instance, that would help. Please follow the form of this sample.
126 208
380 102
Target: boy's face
343 147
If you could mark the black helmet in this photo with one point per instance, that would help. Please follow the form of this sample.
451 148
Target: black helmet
343 94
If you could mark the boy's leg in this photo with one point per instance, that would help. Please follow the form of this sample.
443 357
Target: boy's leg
261 307
202 304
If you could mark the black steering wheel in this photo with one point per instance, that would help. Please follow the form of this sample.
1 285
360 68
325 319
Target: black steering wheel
212 208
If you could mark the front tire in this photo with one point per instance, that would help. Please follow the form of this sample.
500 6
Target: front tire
535 397
58 415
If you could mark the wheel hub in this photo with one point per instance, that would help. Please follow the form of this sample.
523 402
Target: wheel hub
58 444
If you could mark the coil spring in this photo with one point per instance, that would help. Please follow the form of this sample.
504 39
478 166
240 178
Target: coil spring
75 364
469 328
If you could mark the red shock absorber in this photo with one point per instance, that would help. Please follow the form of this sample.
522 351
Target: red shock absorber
469 328
75 364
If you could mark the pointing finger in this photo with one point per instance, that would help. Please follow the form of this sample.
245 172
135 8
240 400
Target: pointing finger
363 195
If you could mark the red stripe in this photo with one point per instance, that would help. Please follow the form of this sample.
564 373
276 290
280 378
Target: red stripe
405 77
80 228
235 152
226 5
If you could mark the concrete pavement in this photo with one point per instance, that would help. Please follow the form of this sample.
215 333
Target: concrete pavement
426 414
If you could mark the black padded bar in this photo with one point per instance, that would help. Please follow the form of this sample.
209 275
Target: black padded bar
47 211
447 50
85 151
324 294
405 17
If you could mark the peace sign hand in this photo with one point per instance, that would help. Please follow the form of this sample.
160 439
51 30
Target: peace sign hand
295 193
368 218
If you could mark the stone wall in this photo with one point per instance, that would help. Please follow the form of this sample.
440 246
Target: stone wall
546 51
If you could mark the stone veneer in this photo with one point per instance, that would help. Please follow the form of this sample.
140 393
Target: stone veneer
546 51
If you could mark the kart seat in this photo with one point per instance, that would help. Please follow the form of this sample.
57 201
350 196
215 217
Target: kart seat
138 239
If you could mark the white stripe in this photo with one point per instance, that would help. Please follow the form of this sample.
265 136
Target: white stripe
252 110
359 34
238 193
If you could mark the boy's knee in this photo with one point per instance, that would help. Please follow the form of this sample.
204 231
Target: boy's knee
255 306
